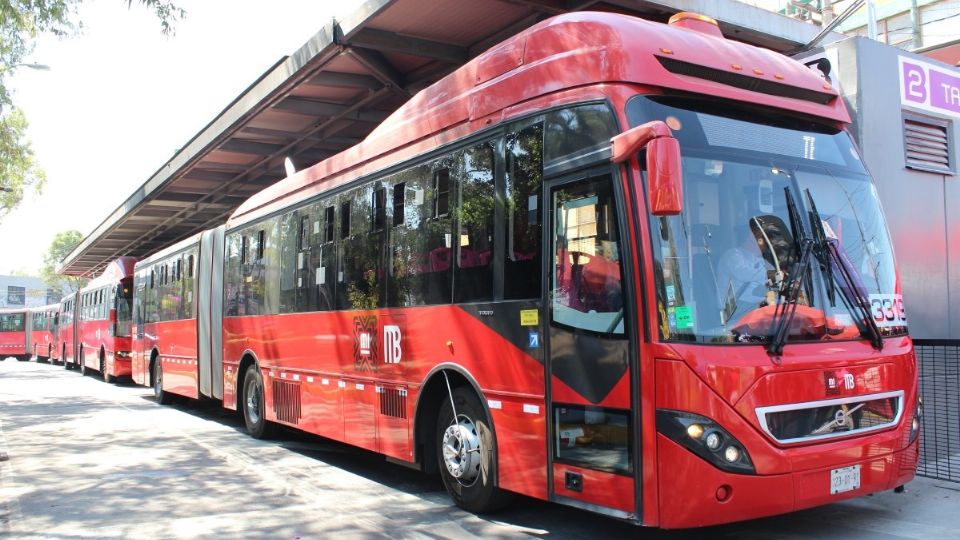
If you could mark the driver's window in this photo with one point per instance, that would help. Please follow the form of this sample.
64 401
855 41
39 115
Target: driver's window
586 290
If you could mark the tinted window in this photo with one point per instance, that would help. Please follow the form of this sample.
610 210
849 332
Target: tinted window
474 169
522 258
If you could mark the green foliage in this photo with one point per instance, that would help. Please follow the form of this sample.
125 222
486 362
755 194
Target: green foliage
63 243
18 167
21 23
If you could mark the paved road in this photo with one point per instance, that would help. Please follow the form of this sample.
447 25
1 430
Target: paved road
92 460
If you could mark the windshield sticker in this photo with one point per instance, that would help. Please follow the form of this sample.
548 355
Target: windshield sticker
684 317
671 295
887 310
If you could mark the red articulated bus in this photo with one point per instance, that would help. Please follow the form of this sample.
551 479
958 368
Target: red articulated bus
13 334
630 267
101 326
42 337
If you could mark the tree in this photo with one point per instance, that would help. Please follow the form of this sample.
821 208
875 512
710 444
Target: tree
21 22
63 243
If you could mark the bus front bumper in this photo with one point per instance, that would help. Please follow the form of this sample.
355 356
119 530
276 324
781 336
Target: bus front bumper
694 493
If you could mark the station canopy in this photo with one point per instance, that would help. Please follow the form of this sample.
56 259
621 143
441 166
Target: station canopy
332 92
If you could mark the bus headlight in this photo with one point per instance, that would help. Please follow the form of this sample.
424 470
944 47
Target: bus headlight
123 354
917 420
705 438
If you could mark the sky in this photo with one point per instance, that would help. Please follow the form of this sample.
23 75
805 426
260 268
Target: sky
121 98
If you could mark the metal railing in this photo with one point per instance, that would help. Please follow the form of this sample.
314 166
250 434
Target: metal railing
939 365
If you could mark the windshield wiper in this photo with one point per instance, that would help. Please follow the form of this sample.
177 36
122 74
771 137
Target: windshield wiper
851 290
783 315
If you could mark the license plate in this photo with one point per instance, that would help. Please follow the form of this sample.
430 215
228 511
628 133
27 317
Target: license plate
844 479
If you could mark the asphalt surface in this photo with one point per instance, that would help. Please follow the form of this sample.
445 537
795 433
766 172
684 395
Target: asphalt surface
86 459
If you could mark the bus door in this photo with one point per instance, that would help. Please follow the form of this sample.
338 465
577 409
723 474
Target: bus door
593 454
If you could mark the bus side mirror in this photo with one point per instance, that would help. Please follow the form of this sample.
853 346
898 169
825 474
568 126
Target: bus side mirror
664 170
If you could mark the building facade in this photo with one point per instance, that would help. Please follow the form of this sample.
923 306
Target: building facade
25 291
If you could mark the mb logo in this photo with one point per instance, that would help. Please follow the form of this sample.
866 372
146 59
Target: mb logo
392 351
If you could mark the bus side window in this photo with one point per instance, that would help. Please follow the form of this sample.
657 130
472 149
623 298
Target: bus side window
522 259
473 281
323 261
292 239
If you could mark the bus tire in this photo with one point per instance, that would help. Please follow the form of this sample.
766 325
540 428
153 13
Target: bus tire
159 394
63 357
253 405
468 462
107 377
80 362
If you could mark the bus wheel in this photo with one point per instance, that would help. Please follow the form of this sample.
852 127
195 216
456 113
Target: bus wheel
253 407
159 395
80 362
467 454
23 358
103 370
63 357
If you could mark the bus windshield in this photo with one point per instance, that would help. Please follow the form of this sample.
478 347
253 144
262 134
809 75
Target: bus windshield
721 265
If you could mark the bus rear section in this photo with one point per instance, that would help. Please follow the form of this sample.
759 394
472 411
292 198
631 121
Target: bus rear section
13 334
66 331
43 330
103 323
176 345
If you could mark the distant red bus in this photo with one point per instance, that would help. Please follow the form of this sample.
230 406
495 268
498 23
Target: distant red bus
102 325
42 338
624 266
13 334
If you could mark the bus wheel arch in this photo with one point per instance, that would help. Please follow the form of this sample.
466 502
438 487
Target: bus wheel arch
161 396
473 491
104 368
251 398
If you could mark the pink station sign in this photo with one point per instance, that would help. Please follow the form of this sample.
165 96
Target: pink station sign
929 87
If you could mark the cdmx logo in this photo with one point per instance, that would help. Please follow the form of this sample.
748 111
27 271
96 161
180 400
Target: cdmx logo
365 342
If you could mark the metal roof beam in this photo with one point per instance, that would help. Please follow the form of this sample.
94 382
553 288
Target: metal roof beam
321 108
345 80
243 146
380 40
378 66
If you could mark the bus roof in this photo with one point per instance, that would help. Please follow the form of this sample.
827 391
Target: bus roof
118 269
564 52
183 244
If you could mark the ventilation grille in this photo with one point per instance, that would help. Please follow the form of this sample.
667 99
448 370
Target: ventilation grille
393 402
927 145
745 82
286 401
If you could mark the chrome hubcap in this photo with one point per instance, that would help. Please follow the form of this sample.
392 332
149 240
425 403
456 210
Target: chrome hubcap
461 450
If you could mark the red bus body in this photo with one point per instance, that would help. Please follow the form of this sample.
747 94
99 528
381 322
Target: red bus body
43 332
13 334
101 329
375 377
